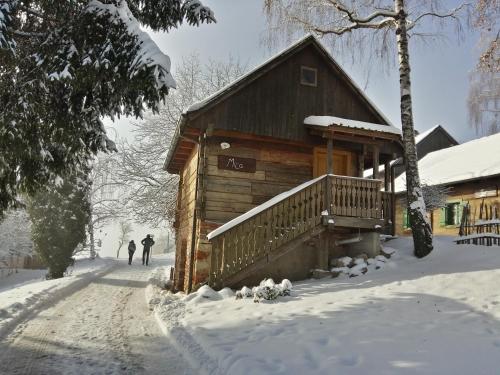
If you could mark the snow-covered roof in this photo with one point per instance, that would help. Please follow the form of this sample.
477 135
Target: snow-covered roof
254 211
332 120
421 136
468 161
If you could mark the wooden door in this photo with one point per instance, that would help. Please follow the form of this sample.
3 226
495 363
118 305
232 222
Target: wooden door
341 162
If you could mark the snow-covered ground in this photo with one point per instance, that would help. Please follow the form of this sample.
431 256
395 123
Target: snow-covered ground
437 315
27 291
102 327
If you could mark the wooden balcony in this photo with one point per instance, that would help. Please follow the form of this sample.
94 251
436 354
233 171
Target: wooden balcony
270 230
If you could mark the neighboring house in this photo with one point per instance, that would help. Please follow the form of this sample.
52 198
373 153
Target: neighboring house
472 173
266 136
433 139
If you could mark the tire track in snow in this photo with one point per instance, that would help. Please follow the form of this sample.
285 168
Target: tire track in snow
104 328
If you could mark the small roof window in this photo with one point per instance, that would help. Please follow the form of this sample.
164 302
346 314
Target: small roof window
308 76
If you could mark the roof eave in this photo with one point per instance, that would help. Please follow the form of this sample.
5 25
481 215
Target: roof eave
173 144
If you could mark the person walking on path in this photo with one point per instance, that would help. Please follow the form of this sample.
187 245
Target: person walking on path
131 251
147 243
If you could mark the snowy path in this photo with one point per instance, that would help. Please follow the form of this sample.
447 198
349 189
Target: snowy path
104 328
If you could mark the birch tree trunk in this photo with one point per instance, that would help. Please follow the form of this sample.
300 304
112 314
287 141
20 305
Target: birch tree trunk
420 226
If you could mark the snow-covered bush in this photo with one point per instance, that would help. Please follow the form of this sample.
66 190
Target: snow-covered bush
226 293
267 290
286 287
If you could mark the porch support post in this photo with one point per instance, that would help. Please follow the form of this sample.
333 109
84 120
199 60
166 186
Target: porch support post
375 162
387 176
329 156
393 177
361 162
329 170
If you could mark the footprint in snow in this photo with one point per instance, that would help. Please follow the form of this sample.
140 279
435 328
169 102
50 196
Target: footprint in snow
496 343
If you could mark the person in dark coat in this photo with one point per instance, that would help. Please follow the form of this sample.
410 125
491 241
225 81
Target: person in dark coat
131 251
147 243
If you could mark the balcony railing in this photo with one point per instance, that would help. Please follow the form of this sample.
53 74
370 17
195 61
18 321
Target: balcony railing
243 241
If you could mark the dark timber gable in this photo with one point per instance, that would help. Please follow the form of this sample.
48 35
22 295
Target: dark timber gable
271 101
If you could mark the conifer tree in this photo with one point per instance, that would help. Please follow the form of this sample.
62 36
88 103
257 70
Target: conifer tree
66 64
59 214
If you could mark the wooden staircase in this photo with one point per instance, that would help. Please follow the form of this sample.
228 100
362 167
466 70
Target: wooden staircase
278 227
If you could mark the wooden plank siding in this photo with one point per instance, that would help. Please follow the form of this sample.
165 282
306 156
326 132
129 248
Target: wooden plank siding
231 193
276 104
184 224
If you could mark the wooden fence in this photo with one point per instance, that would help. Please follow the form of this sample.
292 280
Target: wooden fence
483 230
291 217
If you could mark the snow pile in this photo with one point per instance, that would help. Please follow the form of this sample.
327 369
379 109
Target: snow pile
160 277
205 294
361 265
20 295
158 285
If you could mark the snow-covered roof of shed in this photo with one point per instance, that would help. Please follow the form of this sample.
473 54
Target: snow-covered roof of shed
421 136
332 120
198 105
468 161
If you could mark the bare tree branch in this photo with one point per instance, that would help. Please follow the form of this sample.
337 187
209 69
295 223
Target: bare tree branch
151 192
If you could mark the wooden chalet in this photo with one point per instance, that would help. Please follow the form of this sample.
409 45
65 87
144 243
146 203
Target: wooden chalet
253 161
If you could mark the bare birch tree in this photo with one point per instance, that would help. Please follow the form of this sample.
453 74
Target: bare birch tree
373 28
125 230
152 192
484 92
104 196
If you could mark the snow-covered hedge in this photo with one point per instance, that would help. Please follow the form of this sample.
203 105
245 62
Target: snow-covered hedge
267 290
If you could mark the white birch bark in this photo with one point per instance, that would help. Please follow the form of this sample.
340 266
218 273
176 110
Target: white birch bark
420 226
